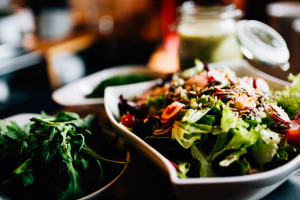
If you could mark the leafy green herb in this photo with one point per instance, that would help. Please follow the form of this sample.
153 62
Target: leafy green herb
156 104
55 157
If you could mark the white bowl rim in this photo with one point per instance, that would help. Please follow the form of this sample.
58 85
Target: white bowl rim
91 81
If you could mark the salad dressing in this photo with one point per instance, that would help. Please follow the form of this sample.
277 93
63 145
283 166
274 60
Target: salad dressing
207 34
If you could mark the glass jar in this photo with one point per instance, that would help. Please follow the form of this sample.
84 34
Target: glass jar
207 33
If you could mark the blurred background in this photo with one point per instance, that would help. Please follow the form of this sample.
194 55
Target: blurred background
45 44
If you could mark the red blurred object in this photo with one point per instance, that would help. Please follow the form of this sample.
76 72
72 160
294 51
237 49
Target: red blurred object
128 120
240 4
294 136
168 16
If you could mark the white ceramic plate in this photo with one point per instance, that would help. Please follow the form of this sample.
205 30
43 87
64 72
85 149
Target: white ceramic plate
24 118
253 186
74 93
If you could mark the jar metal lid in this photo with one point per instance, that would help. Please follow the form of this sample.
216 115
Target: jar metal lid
261 43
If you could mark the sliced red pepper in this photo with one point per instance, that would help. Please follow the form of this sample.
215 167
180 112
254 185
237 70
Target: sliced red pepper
167 121
293 136
171 111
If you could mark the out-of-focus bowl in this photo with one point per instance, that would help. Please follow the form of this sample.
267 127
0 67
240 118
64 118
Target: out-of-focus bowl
74 93
108 140
254 186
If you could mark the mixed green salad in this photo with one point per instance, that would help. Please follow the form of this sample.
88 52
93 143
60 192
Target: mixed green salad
56 157
209 122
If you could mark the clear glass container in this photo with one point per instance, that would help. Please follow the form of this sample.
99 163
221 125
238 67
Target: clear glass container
207 33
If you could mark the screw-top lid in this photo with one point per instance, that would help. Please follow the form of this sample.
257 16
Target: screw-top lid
261 43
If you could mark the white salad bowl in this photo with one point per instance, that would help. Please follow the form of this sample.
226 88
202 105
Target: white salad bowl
74 93
254 186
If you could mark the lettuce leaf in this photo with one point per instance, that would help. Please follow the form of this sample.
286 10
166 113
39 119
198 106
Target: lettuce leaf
183 169
206 169
266 147
234 136
229 120
289 98
199 66
186 133
193 115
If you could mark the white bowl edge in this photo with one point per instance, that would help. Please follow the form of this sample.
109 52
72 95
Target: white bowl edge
73 93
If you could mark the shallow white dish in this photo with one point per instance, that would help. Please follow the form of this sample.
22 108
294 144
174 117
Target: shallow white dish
74 93
108 139
253 186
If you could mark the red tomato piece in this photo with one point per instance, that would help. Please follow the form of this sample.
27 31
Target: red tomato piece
128 120
294 136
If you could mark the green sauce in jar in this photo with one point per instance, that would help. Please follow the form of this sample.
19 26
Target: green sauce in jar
201 47
207 34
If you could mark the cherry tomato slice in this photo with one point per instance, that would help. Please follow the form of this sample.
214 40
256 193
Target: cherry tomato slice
294 136
128 120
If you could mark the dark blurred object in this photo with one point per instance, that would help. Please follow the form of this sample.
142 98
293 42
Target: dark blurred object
256 9
38 5
53 18
296 44
108 53
29 91
281 15
130 31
